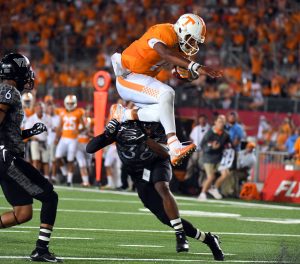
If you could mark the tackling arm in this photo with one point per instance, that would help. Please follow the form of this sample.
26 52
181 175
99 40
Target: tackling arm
177 59
99 142
157 148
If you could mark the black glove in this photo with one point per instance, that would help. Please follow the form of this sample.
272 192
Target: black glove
111 129
6 159
37 129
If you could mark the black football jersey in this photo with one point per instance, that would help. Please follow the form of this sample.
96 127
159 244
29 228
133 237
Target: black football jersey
10 129
138 155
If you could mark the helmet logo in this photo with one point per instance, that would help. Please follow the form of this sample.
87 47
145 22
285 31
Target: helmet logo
20 61
189 20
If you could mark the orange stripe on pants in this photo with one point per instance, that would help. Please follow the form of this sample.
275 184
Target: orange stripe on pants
139 88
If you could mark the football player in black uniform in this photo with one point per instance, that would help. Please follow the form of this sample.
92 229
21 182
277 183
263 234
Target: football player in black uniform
19 180
141 148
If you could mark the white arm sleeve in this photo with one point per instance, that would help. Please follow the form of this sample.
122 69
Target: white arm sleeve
153 41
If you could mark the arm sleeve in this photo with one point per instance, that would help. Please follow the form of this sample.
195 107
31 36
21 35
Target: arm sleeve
26 133
98 143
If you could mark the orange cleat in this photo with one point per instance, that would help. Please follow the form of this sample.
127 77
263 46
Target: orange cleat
117 111
180 154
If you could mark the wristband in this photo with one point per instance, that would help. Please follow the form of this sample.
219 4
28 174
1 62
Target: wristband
194 66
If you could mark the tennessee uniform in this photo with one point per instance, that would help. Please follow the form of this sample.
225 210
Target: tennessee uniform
70 120
139 64
83 158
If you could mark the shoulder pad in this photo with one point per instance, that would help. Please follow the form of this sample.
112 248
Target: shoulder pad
9 95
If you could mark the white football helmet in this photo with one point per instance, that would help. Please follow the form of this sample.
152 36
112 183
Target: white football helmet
70 102
190 30
27 100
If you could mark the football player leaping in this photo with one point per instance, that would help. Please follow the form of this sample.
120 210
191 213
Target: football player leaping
138 65
141 148
20 181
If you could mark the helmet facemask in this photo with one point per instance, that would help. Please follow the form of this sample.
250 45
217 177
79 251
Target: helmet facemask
189 45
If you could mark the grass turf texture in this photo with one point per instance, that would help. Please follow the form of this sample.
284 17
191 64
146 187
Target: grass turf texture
104 226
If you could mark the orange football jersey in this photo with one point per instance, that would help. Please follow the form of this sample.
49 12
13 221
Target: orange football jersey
84 138
139 57
70 123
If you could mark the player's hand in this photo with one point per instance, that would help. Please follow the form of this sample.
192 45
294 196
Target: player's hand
111 128
210 72
37 129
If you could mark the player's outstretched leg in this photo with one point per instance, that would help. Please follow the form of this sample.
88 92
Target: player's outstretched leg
213 242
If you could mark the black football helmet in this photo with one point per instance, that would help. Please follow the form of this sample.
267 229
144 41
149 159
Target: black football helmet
15 66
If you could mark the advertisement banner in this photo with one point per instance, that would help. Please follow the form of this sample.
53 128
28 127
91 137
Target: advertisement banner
282 186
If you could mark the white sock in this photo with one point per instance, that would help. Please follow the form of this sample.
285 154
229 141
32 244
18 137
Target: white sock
128 114
46 177
85 179
148 114
69 177
166 111
173 143
177 225
200 235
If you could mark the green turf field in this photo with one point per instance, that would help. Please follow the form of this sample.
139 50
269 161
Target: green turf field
108 227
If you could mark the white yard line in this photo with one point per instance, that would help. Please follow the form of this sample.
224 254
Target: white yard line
145 246
156 231
74 238
151 260
13 231
192 199
209 254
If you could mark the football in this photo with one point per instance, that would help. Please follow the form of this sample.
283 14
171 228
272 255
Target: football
182 74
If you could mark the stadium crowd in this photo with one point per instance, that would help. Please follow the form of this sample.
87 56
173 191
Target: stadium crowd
257 44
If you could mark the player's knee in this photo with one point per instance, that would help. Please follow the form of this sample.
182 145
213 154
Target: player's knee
53 198
23 215
163 189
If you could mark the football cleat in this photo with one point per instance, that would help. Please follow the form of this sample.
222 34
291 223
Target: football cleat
182 245
117 111
213 242
44 256
178 155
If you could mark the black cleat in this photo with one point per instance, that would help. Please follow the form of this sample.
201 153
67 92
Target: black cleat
213 242
44 256
182 245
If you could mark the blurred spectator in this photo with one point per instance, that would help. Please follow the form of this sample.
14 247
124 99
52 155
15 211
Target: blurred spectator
197 134
245 161
257 97
213 144
112 166
263 126
38 144
290 142
235 130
